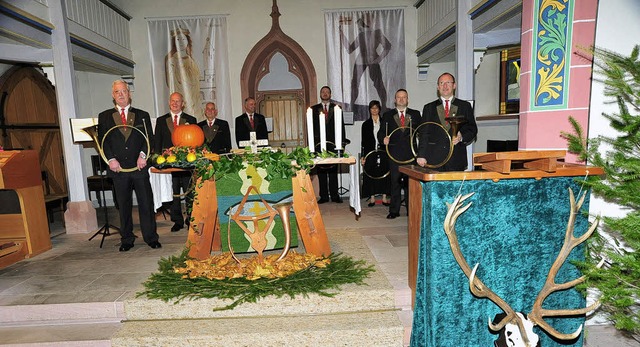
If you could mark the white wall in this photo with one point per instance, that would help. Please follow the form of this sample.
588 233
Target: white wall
4 68
487 85
618 21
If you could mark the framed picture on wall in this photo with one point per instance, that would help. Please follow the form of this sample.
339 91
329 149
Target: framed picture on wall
510 80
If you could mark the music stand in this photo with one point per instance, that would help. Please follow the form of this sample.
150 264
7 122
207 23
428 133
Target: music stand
105 229
81 136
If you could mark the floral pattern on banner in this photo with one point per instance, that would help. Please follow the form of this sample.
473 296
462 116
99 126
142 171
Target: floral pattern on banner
551 53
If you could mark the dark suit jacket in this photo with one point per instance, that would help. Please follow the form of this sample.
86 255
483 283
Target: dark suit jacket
329 127
400 141
217 138
432 145
368 140
243 128
164 130
124 144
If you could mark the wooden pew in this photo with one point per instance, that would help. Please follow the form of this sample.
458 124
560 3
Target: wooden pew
24 230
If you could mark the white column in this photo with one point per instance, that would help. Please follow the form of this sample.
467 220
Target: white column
67 108
464 60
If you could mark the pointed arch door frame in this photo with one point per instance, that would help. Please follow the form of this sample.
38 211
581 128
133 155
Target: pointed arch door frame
256 67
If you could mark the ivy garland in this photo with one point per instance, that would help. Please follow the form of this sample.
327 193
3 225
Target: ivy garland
206 165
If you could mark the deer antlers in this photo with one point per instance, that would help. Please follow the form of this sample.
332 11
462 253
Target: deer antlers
478 288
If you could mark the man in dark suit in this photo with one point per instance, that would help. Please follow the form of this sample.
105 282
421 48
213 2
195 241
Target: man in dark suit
399 146
250 121
217 136
328 173
127 148
434 146
179 180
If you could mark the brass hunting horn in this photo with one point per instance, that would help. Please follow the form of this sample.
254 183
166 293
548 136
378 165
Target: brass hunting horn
93 132
438 132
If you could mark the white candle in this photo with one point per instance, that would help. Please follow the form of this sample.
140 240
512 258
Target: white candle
312 148
323 132
337 115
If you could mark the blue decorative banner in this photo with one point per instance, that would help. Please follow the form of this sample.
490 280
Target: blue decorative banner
551 54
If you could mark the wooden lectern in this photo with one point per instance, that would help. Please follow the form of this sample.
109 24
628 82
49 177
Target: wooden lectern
24 230
514 229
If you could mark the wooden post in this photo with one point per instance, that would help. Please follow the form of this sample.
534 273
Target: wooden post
310 224
204 231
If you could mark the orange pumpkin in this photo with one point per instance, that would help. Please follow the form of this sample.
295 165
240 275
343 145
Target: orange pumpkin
189 135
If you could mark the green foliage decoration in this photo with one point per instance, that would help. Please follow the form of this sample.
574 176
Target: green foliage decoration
618 280
167 285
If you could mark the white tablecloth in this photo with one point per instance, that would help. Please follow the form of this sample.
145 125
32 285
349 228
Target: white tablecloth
354 187
161 187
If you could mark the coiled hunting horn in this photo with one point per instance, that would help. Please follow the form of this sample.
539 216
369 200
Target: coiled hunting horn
93 132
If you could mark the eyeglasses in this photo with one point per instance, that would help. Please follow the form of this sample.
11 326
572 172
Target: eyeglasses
445 83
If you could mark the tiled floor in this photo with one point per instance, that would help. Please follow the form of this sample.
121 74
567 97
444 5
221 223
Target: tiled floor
78 271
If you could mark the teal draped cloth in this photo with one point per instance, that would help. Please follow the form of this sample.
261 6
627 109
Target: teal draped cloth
514 229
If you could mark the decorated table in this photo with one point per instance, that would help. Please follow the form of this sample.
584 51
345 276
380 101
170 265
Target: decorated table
513 225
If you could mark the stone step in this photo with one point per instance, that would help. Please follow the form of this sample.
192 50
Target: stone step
379 328
376 295
69 335
60 314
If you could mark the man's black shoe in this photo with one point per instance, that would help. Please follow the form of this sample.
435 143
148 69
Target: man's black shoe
392 215
323 200
155 244
125 247
337 200
176 227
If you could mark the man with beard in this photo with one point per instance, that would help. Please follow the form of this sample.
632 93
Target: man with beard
328 175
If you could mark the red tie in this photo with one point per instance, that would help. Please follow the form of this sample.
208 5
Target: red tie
401 118
210 124
446 108
175 120
251 121
123 116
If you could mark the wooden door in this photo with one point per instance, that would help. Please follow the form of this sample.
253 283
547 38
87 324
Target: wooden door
29 120
286 109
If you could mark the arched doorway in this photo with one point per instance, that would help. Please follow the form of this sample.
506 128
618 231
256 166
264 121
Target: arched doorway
29 120
279 74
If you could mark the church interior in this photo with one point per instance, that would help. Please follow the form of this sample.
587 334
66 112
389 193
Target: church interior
58 59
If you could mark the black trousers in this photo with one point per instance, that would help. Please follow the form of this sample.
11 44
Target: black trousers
180 181
328 174
125 183
398 183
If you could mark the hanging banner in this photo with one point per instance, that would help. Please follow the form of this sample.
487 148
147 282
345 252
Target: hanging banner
189 56
365 57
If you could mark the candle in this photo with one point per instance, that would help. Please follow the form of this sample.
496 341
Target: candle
323 132
312 148
337 115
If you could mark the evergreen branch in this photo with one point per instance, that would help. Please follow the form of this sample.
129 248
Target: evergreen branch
170 286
